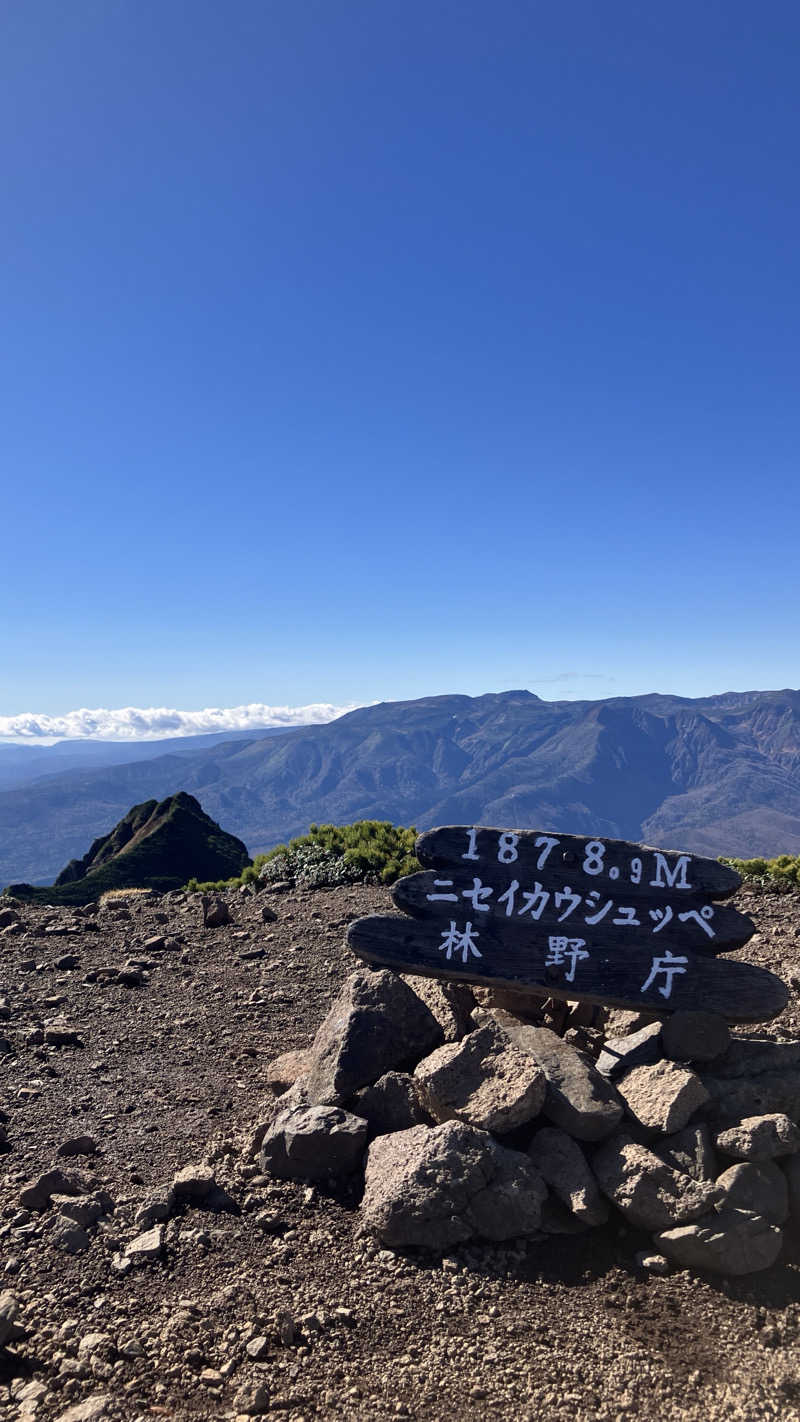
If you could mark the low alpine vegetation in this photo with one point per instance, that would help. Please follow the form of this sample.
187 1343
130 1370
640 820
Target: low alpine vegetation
367 852
780 873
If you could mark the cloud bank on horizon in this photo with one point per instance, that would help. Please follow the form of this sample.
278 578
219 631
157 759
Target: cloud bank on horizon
136 723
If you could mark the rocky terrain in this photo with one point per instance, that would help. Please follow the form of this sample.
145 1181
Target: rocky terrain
151 1266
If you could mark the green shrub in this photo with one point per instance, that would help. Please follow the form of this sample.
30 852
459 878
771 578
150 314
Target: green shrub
367 852
782 872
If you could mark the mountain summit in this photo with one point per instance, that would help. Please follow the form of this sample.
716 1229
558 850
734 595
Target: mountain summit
154 846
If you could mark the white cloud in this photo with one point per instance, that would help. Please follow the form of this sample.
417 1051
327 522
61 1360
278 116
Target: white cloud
133 723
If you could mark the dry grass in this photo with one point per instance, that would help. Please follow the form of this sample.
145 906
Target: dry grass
112 896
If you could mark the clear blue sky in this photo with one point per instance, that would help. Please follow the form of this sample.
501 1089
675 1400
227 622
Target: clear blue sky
366 349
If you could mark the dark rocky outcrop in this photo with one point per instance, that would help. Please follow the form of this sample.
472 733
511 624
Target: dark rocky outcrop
155 846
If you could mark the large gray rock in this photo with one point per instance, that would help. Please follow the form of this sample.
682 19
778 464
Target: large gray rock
310 1142
620 1054
578 1098
730 1242
510 1205
689 1036
761 1189
690 1152
566 1170
437 1188
647 1192
450 1003
756 1077
392 1104
377 1024
662 1097
482 1080
760 1138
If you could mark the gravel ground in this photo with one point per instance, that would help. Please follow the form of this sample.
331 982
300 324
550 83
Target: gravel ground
276 1291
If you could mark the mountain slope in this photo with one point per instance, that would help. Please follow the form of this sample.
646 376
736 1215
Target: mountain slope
717 775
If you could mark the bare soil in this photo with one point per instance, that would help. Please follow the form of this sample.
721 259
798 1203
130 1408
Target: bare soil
174 1070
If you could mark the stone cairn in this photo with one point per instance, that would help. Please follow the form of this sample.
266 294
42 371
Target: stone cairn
472 1120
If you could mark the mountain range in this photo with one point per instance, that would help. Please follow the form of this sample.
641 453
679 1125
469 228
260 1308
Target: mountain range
22 764
716 775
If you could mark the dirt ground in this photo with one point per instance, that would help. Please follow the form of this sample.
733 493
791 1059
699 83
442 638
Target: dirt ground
174 1069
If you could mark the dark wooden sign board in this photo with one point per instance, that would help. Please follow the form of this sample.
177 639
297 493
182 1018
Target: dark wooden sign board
595 920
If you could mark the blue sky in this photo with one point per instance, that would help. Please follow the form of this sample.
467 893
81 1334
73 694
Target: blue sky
362 350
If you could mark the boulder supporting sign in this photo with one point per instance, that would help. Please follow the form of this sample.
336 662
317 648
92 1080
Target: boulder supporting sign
603 921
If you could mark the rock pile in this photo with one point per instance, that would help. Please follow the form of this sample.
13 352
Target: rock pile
79 1204
476 1121
77 1207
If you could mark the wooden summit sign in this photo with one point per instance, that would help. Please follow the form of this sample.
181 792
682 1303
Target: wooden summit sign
596 920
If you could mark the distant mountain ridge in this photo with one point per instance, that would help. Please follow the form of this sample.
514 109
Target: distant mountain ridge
715 775
154 846
22 763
